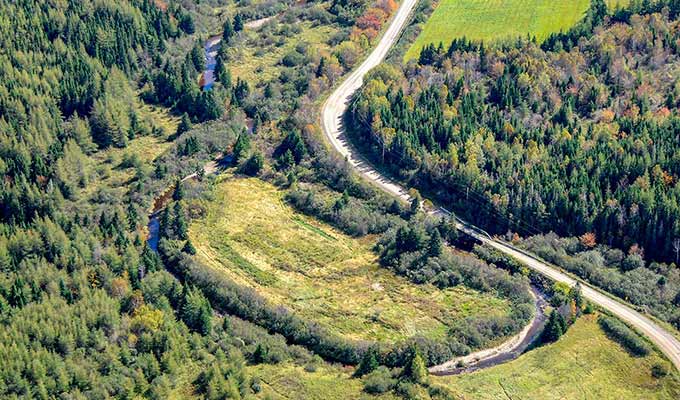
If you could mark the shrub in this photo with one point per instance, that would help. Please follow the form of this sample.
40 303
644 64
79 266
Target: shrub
621 333
659 370
254 165
379 381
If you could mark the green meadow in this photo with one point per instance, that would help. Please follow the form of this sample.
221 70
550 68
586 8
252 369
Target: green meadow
490 20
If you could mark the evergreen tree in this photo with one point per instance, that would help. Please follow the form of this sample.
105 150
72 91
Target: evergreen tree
238 23
227 31
414 370
260 354
178 192
180 227
241 147
197 57
184 125
189 248
554 328
368 364
222 73
435 247
254 164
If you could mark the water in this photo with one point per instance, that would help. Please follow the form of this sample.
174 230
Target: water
211 47
154 230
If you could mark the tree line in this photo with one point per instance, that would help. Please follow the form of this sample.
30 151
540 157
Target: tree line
516 137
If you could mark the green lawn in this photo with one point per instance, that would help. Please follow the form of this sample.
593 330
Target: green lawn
584 364
257 240
498 19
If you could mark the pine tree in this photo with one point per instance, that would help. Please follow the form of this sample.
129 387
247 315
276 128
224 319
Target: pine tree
435 247
415 204
178 193
227 31
180 225
184 125
241 147
554 328
238 23
260 354
415 370
368 364
189 248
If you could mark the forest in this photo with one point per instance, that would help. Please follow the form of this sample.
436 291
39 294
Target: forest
101 109
103 112
578 134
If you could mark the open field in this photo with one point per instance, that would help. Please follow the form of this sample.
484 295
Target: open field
289 381
142 151
256 239
584 364
258 59
498 19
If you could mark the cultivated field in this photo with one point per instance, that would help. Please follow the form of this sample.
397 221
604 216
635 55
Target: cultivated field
253 237
498 19
583 364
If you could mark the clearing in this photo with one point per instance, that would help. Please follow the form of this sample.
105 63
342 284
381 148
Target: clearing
583 364
498 19
257 240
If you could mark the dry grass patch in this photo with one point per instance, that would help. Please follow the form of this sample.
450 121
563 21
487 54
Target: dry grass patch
583 364
253 237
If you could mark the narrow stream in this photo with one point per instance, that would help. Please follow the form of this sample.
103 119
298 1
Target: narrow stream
211 47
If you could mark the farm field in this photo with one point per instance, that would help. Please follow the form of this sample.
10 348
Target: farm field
583 364
498 19
252 236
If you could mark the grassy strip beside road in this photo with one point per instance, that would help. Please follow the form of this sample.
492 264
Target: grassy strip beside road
582 364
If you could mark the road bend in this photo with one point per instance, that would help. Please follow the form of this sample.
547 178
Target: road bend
332 117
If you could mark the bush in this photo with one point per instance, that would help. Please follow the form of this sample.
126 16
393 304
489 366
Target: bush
619 332
254 165
659 370
379 381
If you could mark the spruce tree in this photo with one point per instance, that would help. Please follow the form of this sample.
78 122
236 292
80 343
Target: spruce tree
435 247
554 328
178 193
368 364
415 370
241 147
184 125
180 224
189 248
238 23
227 31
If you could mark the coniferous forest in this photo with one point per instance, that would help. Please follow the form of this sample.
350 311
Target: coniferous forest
578 134
112 143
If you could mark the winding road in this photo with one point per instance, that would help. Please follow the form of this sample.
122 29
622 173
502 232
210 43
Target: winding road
332 116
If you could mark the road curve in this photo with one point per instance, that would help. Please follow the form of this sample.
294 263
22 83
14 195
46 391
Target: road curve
332 115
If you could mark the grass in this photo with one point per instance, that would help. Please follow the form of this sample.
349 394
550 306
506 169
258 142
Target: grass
327 382
257 61
110 175
584 364
253 237
490 20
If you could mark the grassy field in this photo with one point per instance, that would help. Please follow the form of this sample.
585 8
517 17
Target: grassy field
259 59
256 239
110 176
288 381
584 364
498 19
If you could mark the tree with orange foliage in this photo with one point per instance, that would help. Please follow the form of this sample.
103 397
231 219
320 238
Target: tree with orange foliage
588 240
